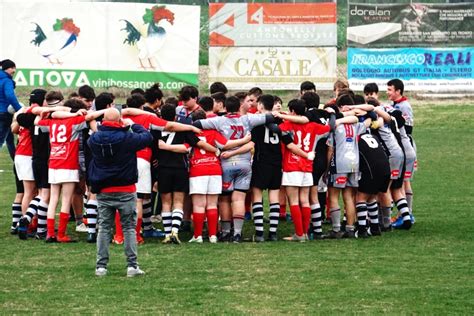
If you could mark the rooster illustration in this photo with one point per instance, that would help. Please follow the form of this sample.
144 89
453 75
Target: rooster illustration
59 42
158 19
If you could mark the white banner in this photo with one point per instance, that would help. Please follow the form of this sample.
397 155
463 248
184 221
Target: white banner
273 68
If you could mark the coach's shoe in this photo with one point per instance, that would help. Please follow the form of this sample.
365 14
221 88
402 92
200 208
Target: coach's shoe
153 233
23 228
91 238
196 240
134 271
175 238
295 237
374 230
81 228
40 236
213 239
237 238
225 237
258 239
65 239
335 235
100 272
272 237
51 239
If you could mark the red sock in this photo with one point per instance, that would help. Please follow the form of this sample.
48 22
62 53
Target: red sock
118 225
212 219
282 210
297 219
50 225
34 225
139 226
63 220
248 203
198 221
306 212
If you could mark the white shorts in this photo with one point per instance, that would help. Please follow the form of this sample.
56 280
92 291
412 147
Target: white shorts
56 176
297 179
144 176
205 185
24 167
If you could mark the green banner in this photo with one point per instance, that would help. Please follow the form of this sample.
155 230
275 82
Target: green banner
102 79
416 24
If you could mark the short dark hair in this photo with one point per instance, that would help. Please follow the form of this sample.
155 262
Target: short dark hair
371 87
255 91
188 92
86 92
298 106
312 99
54 97
241 95
307 86
172 100
232 104
398 84
344 99
37 96
359 99
168 112
136 101
218 87
199 114
137 90
267 100
153 93
219 97
103 99
75 104
373 101
277 99
206 103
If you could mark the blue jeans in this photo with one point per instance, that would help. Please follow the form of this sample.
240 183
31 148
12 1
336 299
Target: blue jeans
6 134
126 204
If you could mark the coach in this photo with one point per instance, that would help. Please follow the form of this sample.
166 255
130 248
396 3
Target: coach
113 174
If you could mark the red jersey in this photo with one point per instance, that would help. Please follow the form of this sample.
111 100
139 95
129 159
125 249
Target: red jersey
252 110
64 139
304 136
205 163
25 146
149 122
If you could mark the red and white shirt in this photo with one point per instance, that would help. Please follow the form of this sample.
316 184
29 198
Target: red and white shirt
205 163
64 139
25 145
304 136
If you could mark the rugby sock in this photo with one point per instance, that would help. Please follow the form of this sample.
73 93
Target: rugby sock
316 218
147 212
258 218
176 219
402 207
79 219
16 214
336 219
212 218
166 219
361 209
306 218
32 209
225 226
297 219
50 225
42 213
409 197
274 217
248 202
283 210
63 220
198 221
118 226
91 215
373 210
349 228
386 212
238 224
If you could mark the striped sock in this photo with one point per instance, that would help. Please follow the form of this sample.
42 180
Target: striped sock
212 219
361 209
42 212
176 219
402 207
316 218
238 224
257 209
336 219
16 214
32 209
166 218
147 212
274 217
91 215
297 219
373 210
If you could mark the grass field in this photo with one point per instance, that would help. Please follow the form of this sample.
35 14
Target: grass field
427 270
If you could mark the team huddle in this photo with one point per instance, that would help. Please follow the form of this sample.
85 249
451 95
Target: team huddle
210 158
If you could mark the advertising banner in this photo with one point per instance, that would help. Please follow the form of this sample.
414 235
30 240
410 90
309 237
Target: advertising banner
273 68
127 45
416 24
272 24
430 69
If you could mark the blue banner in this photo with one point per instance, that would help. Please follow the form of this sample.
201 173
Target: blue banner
434 69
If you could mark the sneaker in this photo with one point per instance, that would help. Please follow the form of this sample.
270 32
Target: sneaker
153 233
248 216
175 238
225 237
374 230
196 240
361 232
306 237
23 228
295 237
335 235
91 238
65 239
258 239
40 236
51 239
140 240
406 224
118 240
272 237
134 271
213 239
14 230
100 272
413 220
349 234
81 228
237 239
318 236
185 226
167 240
384 229
397 222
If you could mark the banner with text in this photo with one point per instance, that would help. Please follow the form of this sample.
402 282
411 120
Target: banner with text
382 25
430 69
272 24
273 68
126 45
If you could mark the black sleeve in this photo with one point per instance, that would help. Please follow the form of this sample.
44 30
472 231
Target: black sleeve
26 120
269 118
197 124
409 129
191 139
287 138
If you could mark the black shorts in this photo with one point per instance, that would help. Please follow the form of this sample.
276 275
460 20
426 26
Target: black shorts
319 167
398 183
265 176
378 184
40 171
173 180
18 183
